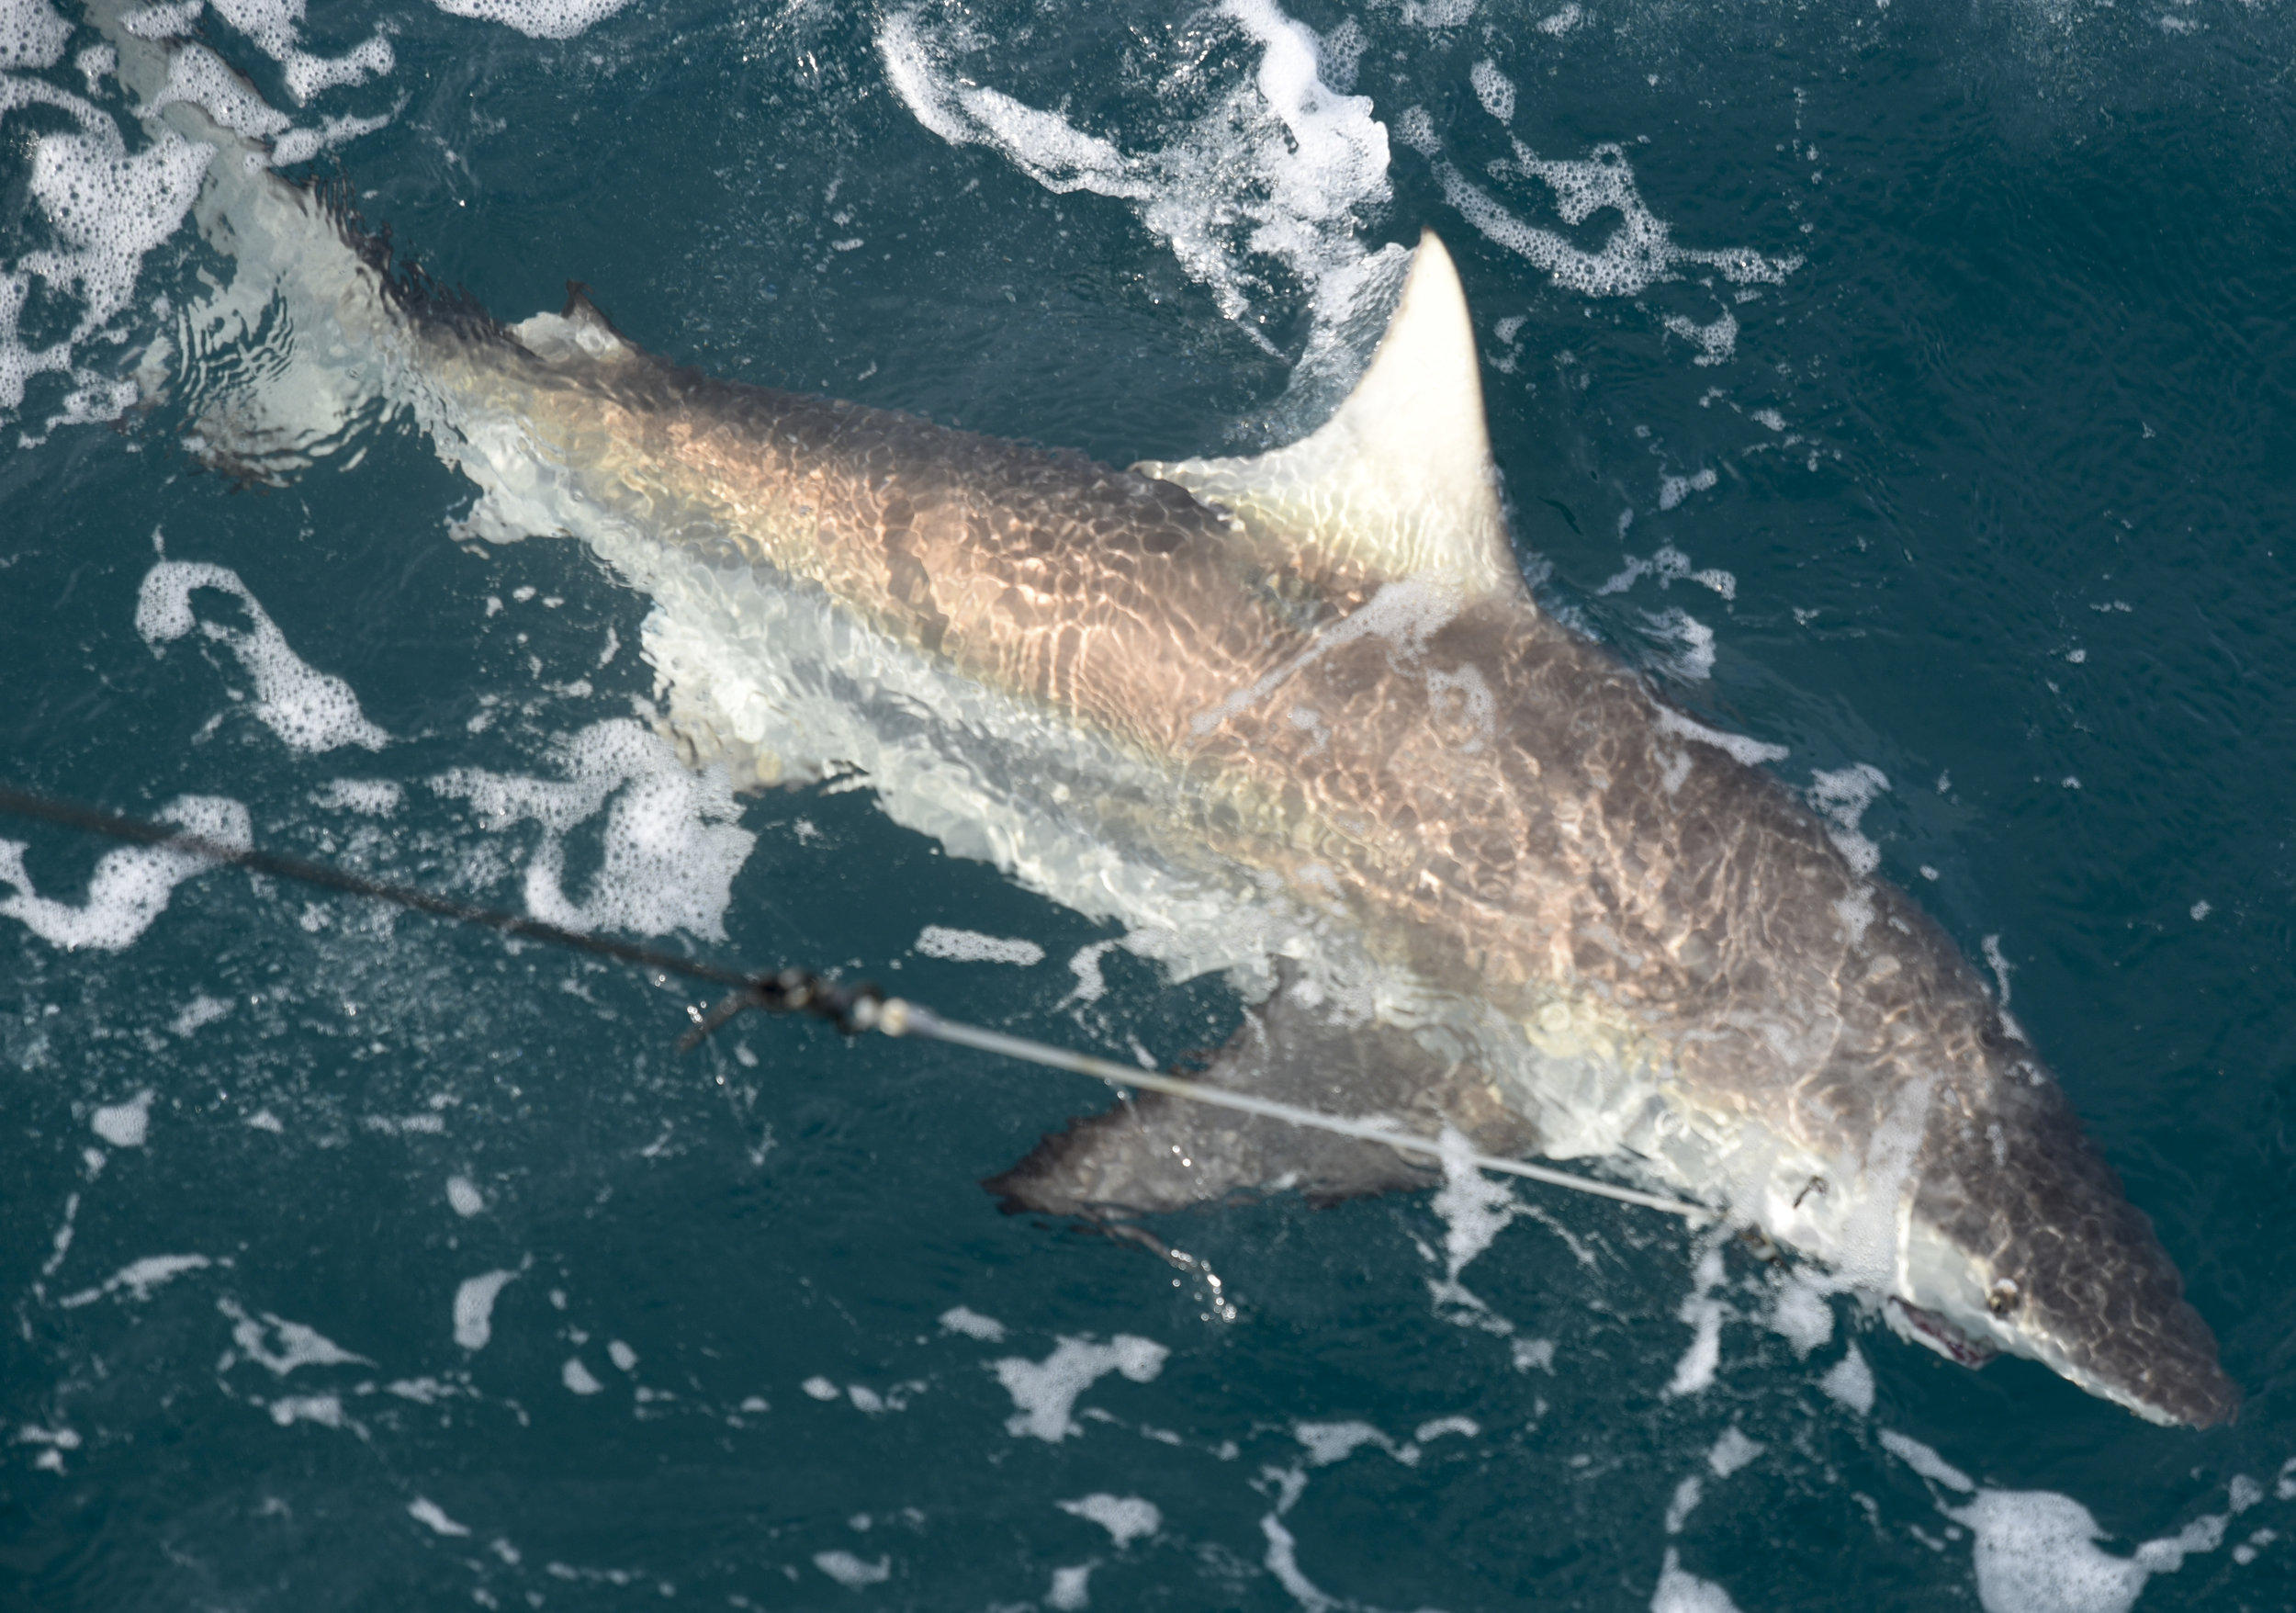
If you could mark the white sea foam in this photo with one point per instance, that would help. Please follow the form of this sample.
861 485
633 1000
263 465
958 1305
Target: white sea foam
1926 1462
1673 490
2036 1552
369 797
1070 1588
430 1513
1850 1382
32 34
138 1278
1670 566
1694 1372
289 1344
464 1197
311 710
129 887
1126 1517
673 840
1732 1452
1046 1391
1494 89
474 1307
1802 1311
326 1410
1683 1592
1716 340
202 1010
1752 752
579 1378
1640 250
1687 1494
970 946
106 208
1283 167
1841 797
537 20
124 1125
1691 643
1475 1209
973 1324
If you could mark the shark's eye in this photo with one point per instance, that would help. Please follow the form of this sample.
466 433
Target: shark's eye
2002 1297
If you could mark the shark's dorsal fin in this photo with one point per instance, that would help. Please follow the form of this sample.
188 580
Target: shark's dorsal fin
1399 482
580 328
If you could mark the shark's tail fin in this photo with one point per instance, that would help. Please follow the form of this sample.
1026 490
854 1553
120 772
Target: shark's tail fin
285 362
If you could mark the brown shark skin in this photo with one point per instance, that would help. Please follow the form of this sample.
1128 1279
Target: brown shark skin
1557 835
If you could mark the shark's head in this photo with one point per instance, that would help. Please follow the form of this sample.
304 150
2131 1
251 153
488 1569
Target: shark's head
2018 1240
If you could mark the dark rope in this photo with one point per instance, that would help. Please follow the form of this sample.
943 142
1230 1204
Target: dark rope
851 1009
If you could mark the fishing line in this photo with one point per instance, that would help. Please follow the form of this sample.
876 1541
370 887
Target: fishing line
852 1010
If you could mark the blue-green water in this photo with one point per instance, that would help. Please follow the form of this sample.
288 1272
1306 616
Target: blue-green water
1994 451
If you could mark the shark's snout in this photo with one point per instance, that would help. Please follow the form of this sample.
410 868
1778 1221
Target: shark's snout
2037 1252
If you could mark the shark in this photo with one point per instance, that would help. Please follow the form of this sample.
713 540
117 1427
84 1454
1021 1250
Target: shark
1296 716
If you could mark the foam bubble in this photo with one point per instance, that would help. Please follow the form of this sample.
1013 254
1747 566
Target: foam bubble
107 207
474 1307
1673 490
1687 1494
124 1125
1841 797
1732 1452
1332 1443
1716 342
199 76
2036 1552
1495 90
973 1324
1046 1391
1475 1209
1126 1517
1070 1588
579 1378
32 34
296 1344
1925 1462
537 20
138 1278
1681 1592
326 1410
372 798
130 887
311 710
1850 1382
852 1573
1694 1372
970 946
1752 752
1640 250
1284 167
672 843
464 1197
428 1512
1692 659
202 1010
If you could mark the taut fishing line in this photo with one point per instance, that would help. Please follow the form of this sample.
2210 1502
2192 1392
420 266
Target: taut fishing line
852 1010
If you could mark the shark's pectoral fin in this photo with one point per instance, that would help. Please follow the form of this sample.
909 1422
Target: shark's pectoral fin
1153 1153
1399 482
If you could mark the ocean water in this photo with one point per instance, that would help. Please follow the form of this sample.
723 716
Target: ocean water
1905 383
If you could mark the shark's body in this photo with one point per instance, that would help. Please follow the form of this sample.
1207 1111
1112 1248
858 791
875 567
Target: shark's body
1297 708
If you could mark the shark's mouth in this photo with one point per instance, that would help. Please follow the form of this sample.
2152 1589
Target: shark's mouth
1927 1328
